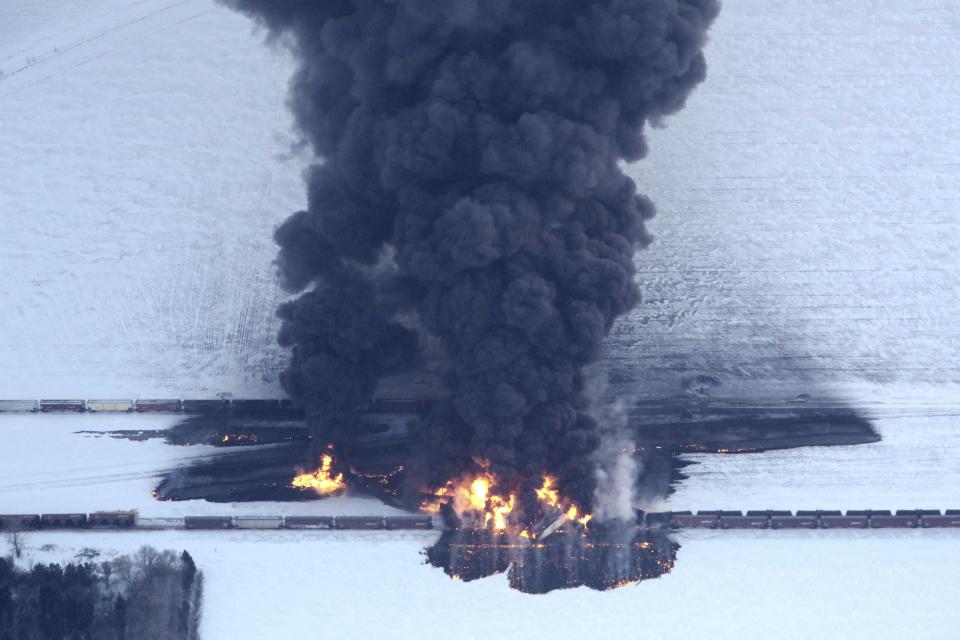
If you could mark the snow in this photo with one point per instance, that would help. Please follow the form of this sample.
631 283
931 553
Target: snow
141 183
49 467
838 584
916 465
806 241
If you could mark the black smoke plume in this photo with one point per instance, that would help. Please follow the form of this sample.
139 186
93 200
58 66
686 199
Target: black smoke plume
468 186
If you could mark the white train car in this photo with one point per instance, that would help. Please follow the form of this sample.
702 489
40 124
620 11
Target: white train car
258 522
110 405
17 406
160 523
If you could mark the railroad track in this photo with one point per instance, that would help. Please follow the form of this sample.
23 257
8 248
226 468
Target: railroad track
675 520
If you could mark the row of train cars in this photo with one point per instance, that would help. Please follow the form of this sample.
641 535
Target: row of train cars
130 520
238 406
147 406
852 519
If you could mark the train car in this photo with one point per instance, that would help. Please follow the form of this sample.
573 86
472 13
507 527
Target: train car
18 406
207 522
919 513
689 520
160 523
737 520
118 406
358 522
710 519
869 514
206 407
851 520
408 522
157 406
308 522
901 519
63 520
820 513
19 522
254 407
59 406
258 522
113 519
767 515
659 519
950 518
787 520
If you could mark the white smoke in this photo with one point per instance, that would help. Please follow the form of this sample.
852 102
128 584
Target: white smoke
617 468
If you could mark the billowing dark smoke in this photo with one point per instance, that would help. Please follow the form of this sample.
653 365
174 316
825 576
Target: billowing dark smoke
469 185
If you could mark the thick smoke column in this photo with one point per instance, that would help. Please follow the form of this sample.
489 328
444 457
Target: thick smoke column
470 181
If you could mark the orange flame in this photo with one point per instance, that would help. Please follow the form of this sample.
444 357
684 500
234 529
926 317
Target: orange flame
323 481
476 498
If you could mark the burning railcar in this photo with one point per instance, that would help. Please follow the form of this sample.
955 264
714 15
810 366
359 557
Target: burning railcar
604 558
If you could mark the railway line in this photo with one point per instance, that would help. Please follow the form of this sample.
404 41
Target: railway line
220 406
675 520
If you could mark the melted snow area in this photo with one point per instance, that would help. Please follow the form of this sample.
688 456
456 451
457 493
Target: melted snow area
807 243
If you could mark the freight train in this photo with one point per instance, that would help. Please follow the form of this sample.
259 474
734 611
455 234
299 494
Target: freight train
853 519
130 520
771 519
153 405
386 415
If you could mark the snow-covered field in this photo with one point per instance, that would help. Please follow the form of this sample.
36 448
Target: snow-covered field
842 584
46 466
915 465
806 242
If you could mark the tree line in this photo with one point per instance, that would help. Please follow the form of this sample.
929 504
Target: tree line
150 595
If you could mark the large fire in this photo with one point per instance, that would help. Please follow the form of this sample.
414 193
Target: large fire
479 503
323 480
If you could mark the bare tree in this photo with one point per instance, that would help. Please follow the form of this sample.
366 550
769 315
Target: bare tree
15 539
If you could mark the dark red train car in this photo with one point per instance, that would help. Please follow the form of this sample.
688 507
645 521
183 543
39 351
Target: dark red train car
308 522
709 519
950 518
737 520
854 519
829 519
408 522
901 519
74 406
359 522
869 514
157 406
689 520
657 519
787 520
207 522
63 520
19 521
114 519
768 515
